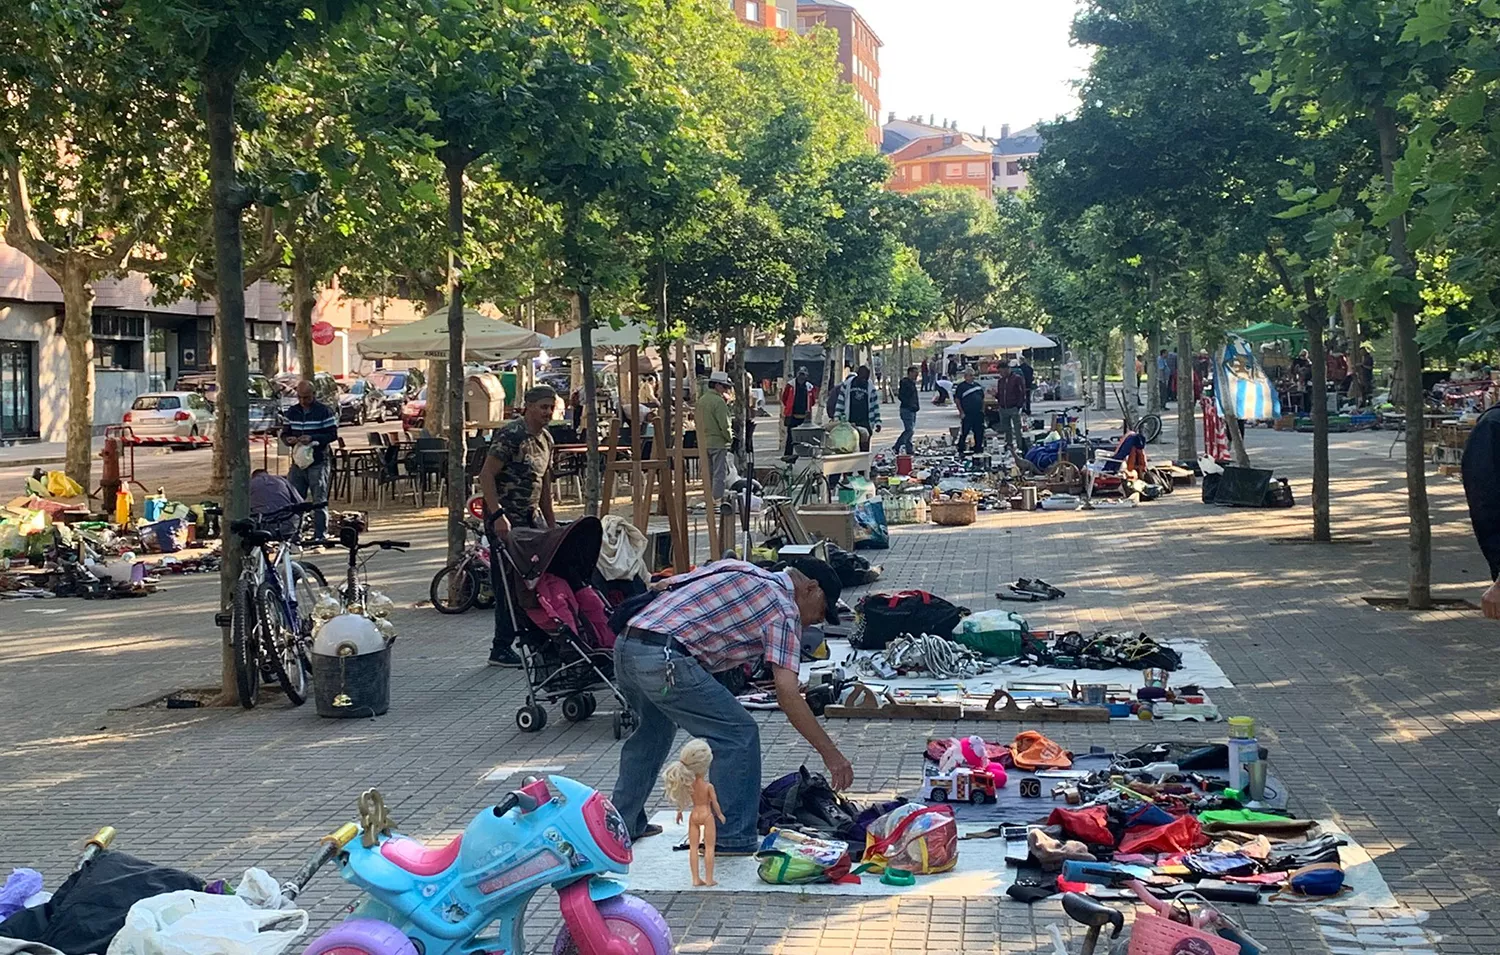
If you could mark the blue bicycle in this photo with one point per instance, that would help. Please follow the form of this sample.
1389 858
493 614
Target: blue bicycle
271 619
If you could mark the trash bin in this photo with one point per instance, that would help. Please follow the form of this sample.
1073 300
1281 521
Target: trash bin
351 668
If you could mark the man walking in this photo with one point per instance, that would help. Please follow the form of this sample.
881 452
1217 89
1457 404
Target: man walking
909 403
1028 375
715 431
516 481
308 428
798 399
926 376
1481 471
969 396
1010 395
705 622
859 404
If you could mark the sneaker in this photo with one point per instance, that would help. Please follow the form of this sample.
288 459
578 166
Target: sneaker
505 658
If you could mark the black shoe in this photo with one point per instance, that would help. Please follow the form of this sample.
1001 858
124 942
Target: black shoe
505 658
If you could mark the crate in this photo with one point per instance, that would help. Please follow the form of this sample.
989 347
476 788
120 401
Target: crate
830 522
954 513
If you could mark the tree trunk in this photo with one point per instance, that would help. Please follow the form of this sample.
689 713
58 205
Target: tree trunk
669 379
436 417
1187 427
1132 386
1318 402
590 390
78 336
1237 446
1099 383
742 398
1419 521
1355 351
458 484
788 338
233 359
1153 369
303 300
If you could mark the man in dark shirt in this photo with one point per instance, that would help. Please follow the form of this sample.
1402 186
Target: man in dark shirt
1481 469
310 425
798 398
516 481
969 396
1028 375
906 395
1010 395
859 404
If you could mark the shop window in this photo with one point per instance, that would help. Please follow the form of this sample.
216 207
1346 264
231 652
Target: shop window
116 354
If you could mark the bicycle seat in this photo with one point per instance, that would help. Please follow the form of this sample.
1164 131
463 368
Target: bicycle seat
255 537
1086 911
418 858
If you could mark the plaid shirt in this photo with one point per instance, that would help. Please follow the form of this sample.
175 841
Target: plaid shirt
730 613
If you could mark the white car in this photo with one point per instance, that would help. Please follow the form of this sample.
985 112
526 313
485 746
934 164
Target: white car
181 414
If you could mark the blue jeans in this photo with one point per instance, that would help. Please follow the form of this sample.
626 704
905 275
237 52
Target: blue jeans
700 706
908 425
312 483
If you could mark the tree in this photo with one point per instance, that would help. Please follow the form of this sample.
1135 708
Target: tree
225 40
953 230
95 147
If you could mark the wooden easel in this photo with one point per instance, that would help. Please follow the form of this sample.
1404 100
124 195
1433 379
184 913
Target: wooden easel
664 487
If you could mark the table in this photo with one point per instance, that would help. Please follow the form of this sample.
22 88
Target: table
833 465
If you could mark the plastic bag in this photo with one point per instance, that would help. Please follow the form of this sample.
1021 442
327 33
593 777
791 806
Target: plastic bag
196 923
994 633
791 858
60 485
920 839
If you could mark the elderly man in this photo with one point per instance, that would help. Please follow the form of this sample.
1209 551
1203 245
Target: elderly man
312 425
516 481
969 396
715 430
714 619
798 399
1010 394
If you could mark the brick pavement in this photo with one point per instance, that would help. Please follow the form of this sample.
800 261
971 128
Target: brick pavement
1384 722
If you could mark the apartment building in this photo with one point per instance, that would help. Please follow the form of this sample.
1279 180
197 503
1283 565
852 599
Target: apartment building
1012 150
924 154
766 14
859 51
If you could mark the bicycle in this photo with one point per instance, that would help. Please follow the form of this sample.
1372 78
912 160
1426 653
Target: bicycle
271 613
354 594
465 583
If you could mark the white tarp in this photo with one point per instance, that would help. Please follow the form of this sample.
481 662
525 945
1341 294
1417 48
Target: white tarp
484 338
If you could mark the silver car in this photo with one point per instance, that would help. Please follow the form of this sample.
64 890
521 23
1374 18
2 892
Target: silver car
181 414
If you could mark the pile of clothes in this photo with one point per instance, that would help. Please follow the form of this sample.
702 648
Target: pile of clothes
1101 651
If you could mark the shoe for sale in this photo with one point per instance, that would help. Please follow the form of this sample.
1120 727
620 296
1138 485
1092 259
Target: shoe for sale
505 658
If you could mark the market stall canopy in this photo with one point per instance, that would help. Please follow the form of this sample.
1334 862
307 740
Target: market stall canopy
764 362
484 338
998 341
1270 332
569 344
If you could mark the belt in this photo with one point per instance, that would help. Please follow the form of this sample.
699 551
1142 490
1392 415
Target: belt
653 639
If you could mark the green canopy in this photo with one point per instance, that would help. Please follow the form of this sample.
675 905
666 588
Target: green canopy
1270 332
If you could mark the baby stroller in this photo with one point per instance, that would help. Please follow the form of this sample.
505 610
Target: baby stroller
561 623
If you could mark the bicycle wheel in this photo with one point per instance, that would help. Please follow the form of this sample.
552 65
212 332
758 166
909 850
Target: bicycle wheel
453 589
1150 428
309 581
244 629
280 645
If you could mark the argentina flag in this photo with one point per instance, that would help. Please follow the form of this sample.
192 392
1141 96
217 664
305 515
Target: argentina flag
1239 380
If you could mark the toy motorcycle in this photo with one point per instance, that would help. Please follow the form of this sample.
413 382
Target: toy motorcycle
451 900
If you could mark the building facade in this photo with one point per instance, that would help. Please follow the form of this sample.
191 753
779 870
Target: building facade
1012 153
766 14
924 153
859 51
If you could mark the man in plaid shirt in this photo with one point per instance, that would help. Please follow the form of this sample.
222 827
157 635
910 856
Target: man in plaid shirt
705 622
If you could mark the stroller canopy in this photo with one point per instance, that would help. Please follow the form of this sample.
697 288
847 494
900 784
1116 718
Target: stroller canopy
570 551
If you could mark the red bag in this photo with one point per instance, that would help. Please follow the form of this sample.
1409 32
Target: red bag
1183 835
1089 825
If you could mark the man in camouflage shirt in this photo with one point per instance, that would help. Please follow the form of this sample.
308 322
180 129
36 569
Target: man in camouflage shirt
516 481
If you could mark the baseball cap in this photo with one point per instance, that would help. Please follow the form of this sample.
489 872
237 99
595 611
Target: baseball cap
827 578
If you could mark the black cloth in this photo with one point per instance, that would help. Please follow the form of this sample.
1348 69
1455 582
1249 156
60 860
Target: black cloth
1481 470
89 908
967 425
792 421
906 394
859 404
969 396
799 400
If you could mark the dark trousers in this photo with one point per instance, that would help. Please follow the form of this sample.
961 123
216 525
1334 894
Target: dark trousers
505 629
971 425
792 421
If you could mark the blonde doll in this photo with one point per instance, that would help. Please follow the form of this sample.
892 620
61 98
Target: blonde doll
687 787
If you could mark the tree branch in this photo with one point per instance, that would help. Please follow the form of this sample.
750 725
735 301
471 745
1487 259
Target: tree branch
271 254
21 232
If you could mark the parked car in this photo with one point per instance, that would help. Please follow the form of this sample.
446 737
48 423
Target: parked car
360 401
263 405
414 412
325 389
180 414
399 387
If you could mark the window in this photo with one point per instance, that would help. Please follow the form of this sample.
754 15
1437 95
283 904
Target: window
954 170
804 24
752 11
783 19
916 174
157 403
1013 189
975 170
196 402
120 342
1013 168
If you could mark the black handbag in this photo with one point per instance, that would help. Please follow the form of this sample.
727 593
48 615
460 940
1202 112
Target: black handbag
884 617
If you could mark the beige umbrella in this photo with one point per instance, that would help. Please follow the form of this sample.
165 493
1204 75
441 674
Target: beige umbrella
605 338
428 338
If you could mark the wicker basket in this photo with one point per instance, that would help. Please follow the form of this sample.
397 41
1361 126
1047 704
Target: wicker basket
1154 935
954 513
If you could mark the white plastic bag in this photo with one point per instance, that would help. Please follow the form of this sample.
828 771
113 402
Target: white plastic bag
196 923
260 889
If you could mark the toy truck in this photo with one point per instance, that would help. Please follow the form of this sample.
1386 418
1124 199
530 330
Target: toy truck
960 785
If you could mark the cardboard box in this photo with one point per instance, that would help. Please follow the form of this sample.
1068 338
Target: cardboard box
831 522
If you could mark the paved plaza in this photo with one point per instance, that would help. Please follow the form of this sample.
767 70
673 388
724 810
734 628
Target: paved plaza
1385 722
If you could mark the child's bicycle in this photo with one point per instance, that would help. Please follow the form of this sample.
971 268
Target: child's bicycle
465 583
1171 918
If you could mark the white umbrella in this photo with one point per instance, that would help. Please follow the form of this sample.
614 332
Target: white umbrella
569 344
998 341
428 338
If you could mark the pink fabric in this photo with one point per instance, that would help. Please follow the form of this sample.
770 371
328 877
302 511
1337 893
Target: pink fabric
594 611
561 607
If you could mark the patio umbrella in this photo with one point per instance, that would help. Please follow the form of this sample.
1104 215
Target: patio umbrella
998 341
1270 332
605 337
428 338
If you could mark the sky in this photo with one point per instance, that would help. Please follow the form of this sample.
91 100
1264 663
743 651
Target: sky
980 62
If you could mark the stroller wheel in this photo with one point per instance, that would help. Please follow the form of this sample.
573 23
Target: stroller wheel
531 718
592 701
624 724
576 708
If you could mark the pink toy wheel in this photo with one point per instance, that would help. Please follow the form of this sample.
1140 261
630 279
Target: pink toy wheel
634 920
362 937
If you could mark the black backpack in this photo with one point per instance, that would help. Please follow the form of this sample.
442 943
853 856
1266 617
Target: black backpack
884 617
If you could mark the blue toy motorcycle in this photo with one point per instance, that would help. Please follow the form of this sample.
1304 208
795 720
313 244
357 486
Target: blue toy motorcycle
469 896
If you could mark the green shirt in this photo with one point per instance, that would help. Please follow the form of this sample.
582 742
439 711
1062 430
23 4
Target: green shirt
712 417
525 459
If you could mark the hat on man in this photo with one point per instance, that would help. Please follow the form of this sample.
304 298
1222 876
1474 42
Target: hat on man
827 578
720 378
